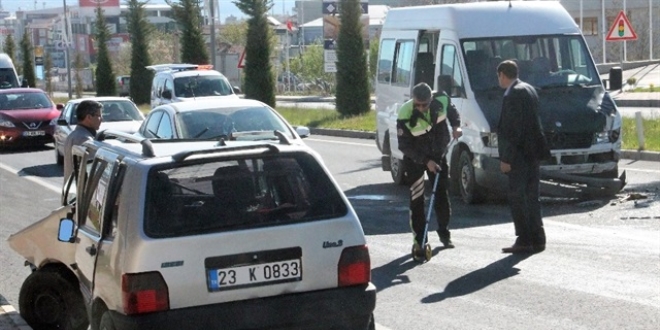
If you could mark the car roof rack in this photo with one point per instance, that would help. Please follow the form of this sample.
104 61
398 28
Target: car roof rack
179 67
283 139
147 146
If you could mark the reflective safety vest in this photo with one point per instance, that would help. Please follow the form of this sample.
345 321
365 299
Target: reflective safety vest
421 123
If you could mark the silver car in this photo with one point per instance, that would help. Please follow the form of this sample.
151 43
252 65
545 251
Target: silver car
119 113
178 234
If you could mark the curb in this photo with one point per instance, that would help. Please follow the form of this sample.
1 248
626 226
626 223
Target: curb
651 156
648 103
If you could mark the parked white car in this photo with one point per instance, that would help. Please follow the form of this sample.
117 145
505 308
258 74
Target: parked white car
119 114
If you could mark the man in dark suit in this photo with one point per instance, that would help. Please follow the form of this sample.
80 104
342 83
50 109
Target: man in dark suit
521 146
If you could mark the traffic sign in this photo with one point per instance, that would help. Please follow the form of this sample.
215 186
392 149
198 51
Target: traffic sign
241 60
621 29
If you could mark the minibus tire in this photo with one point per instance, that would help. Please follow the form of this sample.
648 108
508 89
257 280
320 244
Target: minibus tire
468 187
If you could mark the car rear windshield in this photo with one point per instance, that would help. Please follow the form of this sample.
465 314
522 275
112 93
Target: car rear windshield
200 86
223 121
230 195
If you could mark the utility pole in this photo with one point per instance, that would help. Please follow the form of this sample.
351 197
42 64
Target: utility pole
66 50
212 14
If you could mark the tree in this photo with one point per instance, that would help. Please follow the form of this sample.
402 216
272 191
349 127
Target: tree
78 63
259 78
234 33
10 47
28 63
140 32
105 76
48 75
310 66
187 14
160 51
353 96
373 60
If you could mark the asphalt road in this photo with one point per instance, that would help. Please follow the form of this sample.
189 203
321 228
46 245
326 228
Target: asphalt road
600 269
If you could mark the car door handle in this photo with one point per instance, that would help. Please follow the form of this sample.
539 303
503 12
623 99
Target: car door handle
91 250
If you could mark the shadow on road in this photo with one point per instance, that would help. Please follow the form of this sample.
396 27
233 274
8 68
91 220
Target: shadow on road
479 279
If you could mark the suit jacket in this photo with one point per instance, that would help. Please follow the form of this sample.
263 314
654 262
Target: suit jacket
519 132
77 137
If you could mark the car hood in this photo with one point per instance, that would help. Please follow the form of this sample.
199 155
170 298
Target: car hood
187 99
30 114
38 243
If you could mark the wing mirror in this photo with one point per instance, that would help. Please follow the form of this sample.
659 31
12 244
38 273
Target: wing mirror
66 230
167 94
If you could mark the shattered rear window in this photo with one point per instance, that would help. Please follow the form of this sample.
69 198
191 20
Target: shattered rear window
229 195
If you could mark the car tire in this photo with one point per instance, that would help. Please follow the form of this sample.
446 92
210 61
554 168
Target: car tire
106 322
59 159
48 301
469 190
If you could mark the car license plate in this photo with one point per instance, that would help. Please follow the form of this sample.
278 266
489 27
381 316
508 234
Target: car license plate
255 275
34 133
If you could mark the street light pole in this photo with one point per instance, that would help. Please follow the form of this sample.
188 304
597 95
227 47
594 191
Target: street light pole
66 50
212 13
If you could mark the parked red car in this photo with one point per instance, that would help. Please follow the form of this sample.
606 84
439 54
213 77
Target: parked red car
26 117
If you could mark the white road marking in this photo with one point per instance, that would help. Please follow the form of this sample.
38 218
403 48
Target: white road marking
342 142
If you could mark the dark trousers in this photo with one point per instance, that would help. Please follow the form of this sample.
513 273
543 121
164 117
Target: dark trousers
524 202
441 206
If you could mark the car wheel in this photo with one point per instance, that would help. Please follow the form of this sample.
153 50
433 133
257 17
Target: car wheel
59 159
106 322
467 184
397 170
48 301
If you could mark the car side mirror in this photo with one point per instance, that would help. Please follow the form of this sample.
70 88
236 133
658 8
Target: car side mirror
237 90
66 230
167 94
59 106
24 83
302 131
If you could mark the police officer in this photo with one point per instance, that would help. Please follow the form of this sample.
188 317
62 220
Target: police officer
423 136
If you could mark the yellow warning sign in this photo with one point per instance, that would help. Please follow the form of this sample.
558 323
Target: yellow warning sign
621 29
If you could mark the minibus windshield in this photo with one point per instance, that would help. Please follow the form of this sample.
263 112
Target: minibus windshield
543 61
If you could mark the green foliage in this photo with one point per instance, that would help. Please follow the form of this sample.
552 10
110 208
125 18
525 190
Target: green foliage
234 33
140 88
321 118
651 129
352 76
28 63
48 66
373 58
189 18
259 78
310 67
104 75
79 64
9 47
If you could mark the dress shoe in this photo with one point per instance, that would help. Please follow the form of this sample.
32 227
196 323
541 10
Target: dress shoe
518 249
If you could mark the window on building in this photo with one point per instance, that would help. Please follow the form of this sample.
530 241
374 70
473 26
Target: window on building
590 27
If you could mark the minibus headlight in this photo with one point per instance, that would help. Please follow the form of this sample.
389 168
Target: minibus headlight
608 136
489 139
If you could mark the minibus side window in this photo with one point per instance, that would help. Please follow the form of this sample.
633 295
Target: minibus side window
404 61
385 60
451 68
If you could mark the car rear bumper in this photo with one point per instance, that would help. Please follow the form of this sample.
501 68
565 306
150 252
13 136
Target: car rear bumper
342 308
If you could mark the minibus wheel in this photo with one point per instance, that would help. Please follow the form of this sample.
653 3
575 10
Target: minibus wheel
397 170
467 183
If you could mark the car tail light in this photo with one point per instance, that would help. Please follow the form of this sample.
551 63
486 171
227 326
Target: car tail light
144 293
354 266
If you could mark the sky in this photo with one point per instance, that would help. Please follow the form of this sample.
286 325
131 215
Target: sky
227 7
